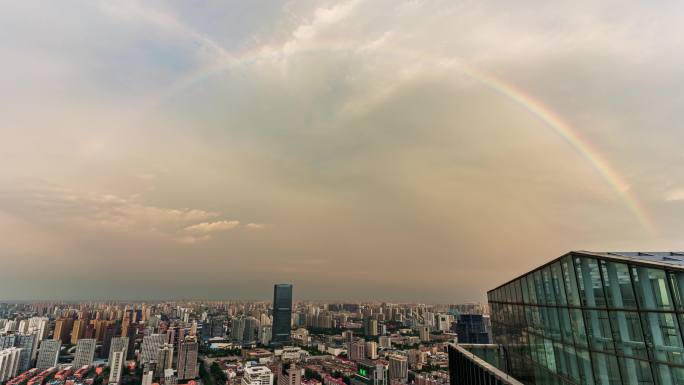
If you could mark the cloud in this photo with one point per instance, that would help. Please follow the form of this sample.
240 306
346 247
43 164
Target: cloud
211 227
675 195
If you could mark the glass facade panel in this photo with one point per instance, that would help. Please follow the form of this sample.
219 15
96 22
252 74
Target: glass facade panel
592 319
572 291
598 330
618 285
590 283
651 288
629 338
635 372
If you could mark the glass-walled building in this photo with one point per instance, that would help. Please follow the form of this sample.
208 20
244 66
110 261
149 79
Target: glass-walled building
594 318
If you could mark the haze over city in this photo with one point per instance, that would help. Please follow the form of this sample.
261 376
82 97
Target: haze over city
368 150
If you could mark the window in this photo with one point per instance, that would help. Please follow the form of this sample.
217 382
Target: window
618 285
629 338
651 288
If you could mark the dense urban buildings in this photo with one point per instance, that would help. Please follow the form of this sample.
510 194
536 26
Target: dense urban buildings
181 342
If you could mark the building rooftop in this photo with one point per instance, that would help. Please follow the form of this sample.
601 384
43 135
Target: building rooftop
671 259
675 258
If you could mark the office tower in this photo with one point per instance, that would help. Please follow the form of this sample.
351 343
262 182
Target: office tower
290 376
370 373
147 377
250 330
265 335
116 366
257 375
372 350
150 347
63 329
424 333
9 363
471 329
131 334
385 342
398 367
48 354
282 314
118 344
28 343
590 318
187 359
85 352
164 359
370 326
357 350
78 330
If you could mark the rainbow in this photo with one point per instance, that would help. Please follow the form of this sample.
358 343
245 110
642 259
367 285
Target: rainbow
533 106
582 146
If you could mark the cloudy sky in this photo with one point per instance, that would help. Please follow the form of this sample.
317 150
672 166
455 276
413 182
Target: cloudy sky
359 149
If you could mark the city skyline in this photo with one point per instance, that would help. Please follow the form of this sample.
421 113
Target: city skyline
406 151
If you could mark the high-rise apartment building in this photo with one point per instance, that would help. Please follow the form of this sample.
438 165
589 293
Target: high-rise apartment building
85 352
118 344
187 358
282 314
9 363
28 343
398 367
116 366
78 330
356 350
372 350
164 359
150 347
48 354
63 328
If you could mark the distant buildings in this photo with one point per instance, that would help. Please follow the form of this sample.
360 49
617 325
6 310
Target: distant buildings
85 352
282 314
257 375
48 354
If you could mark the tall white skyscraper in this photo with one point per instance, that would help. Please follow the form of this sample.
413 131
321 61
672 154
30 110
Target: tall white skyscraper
9 363
116 366
48 354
